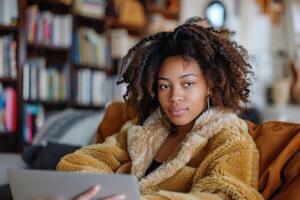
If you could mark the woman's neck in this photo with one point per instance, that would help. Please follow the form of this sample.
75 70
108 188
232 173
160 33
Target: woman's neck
183 130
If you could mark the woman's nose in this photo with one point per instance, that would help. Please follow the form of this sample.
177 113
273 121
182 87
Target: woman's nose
176 96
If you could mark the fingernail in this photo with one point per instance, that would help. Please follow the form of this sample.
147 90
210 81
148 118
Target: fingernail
120 197
96 187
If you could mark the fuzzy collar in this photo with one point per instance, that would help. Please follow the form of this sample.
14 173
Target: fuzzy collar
144 142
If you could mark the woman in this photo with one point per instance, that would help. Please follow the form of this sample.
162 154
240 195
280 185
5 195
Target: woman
186 142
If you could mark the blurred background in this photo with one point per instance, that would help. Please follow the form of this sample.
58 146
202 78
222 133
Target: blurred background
59 59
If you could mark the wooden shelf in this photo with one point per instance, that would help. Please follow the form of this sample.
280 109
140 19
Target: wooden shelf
8 80
48 103
93 68
96 23
47 47
88 107
7 143
54 2
7 134
55 6
88 18
8 28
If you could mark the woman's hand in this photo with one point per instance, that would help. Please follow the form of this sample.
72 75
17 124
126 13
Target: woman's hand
90 193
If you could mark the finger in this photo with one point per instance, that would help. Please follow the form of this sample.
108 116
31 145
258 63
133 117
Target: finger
115 197
89 193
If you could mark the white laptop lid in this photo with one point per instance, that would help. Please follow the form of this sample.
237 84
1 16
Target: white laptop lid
40 184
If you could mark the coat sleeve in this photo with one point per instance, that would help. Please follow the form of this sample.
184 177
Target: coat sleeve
106 157
229 171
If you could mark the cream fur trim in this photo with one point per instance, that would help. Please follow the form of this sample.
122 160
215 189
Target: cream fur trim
144 142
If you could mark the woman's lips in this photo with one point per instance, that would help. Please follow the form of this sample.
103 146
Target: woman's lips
177 112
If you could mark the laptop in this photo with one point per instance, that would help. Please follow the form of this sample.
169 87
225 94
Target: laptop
28 184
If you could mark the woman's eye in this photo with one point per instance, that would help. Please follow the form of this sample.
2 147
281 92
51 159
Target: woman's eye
163 87
188 84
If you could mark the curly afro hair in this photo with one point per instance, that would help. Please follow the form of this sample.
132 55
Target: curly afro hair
225 66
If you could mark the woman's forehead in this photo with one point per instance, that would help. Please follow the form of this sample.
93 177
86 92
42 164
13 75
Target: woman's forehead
177 66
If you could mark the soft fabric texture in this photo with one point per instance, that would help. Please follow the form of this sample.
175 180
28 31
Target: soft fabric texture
218 159
71 126
46 157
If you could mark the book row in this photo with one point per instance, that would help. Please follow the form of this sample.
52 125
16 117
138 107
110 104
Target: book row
47 28
45 83
90 48
8 109
8 64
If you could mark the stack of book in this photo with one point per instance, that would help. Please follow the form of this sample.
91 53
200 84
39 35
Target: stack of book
90 48
45 83
8 65
8 12
48 28
90 8
8 109
91 87
33 120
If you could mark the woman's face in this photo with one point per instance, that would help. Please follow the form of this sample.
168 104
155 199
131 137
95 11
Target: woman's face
182 90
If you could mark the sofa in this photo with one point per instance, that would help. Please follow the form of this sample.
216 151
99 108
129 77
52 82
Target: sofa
277 142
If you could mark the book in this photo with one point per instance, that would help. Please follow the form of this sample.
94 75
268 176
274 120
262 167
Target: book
33 120
11 109
8 12
2 109
99 88
8 66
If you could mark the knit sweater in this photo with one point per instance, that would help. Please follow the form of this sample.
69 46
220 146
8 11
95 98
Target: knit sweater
216 160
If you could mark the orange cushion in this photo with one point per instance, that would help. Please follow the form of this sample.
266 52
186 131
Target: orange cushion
116 114
279 147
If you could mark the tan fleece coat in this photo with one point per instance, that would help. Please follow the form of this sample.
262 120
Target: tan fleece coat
217 159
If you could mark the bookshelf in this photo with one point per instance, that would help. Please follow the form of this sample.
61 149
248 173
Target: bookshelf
69 59
42 55
9 38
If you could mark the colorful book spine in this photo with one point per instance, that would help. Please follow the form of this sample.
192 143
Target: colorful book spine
47 28
90 48
11 109
2 109
46 83
32 114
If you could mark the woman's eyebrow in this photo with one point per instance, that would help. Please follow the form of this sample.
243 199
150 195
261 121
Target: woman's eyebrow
185 75
163 78
182 76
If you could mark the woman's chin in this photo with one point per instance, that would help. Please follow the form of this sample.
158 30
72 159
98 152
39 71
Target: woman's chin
180 121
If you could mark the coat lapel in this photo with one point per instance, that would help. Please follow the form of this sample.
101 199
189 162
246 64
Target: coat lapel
144 142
